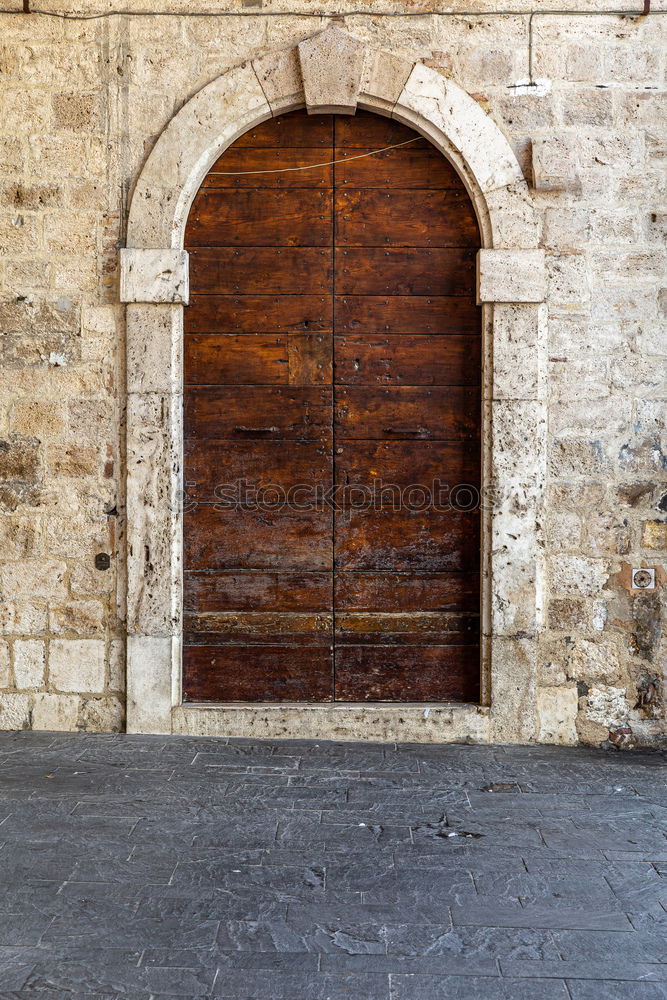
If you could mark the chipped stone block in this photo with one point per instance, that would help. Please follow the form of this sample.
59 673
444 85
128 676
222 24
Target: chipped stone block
77 665
594 661
56 713
101 715
32 579
279 74
4 664
572 574
149 683
513 705
606 705
29 661
511 276
383 80
555 163
331 68
654 535
154 348
154 276
557 712
14 711
519 347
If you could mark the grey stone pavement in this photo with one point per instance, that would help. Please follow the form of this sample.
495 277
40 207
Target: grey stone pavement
161 867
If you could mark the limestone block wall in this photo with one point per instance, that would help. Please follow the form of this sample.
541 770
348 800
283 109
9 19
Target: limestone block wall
82 103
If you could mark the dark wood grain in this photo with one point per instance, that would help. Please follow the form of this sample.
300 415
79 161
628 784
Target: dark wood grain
259 314
405 463
412 314
413 628
407 673
332 330
368 131
240 628
406 412
257 359
257 673
297 128
247 167
256 591
244 539
259 464
405 271
412 166
259 412
407 359
269 270
260 217
404 540
374 218
407 591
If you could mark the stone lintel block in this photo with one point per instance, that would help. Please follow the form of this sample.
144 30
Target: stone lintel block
150 683
332 64
154 276
279 75
511 276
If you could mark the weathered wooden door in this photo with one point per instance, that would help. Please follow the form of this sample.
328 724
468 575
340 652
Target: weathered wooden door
332 415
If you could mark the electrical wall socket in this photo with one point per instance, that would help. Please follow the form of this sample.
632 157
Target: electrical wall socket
643 579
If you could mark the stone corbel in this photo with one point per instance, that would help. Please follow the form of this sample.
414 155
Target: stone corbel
154 276
332 64
511 276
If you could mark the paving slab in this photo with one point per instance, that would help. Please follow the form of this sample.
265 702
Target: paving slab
157 868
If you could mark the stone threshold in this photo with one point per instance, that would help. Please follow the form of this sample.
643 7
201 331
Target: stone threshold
406 723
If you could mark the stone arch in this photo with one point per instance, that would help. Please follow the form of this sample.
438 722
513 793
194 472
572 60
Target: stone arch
334 72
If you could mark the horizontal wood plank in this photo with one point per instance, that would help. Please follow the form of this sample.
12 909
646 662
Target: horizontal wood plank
369 131
394 467
407 314
407 673
243 539
258 412
410 166
418 541
405 271
407 591
260 217
407 359
374 218
257 673
256 591
269 270
270 167
407 412
211 466
257 627
257 359
259 314
296 128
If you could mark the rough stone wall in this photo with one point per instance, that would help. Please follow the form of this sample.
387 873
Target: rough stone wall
82 103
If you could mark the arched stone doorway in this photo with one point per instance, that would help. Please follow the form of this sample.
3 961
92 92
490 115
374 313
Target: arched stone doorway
334 72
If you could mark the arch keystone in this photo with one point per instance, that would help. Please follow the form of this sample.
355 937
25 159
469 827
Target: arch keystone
332 65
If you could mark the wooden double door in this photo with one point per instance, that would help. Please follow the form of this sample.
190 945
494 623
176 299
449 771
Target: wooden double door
332 417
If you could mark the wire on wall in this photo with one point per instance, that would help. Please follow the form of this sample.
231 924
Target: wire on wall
258 12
